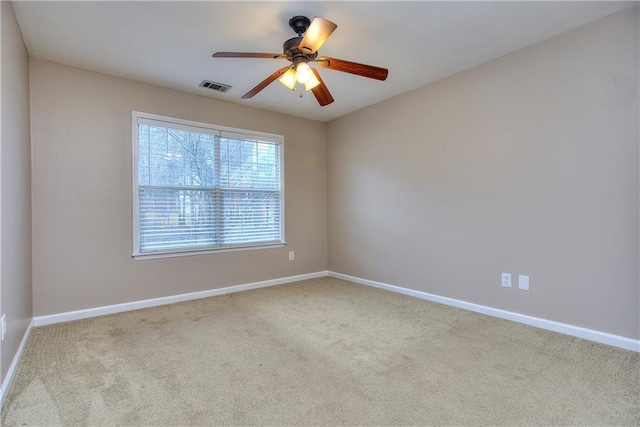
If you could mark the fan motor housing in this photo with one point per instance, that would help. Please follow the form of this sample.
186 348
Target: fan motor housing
292 50
291 44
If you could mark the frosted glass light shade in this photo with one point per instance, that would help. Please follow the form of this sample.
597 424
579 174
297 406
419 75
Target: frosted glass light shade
288 79
303 72
313 82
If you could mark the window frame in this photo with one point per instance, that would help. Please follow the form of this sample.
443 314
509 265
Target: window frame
190 125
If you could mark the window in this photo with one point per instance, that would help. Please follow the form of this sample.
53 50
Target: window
199 187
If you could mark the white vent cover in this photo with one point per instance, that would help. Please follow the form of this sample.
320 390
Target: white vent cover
220 87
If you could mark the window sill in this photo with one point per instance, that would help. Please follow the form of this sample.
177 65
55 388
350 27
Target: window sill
158 255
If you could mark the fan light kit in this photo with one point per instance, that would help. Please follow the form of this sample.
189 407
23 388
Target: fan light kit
302 50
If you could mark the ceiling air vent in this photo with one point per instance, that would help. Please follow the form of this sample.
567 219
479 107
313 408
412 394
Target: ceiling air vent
215 86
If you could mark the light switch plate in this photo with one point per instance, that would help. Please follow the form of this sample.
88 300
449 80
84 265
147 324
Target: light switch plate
523 282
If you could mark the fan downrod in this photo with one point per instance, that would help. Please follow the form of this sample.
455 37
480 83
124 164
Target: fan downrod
299 24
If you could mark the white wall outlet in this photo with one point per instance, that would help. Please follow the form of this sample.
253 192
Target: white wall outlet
4 326
523 282
506 280
292 255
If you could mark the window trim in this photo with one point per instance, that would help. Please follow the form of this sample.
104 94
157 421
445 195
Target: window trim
138 117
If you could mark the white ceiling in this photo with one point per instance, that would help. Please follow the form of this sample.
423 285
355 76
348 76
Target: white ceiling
170 43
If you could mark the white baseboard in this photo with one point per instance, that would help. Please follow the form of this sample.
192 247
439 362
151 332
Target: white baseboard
576 331
563 328
136 305
6 384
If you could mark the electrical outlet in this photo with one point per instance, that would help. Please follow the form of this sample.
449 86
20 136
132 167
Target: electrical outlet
523 282
292 255
4 326
506 280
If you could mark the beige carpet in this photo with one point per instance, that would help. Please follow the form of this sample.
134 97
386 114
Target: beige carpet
322 351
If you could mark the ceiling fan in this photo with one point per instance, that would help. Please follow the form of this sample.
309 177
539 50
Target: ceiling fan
302 50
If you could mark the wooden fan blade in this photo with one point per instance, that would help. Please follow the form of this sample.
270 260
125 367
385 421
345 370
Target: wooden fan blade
317 33
353 68
248 55
266 82
321 92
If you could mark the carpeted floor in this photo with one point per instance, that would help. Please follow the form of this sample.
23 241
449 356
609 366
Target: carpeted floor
322 351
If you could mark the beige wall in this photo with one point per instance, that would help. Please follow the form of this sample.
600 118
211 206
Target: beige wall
15 187
82 199
527 164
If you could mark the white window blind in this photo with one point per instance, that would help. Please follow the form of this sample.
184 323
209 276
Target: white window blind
198 188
